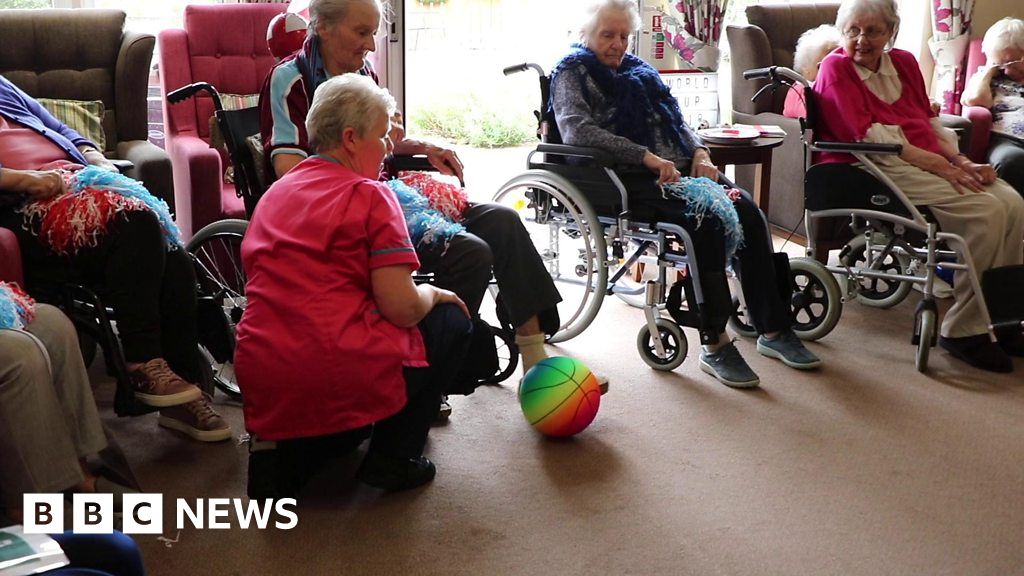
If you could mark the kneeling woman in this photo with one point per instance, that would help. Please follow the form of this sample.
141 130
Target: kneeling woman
604 98
329 346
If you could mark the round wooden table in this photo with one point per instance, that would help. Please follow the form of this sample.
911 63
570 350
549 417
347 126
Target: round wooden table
759 153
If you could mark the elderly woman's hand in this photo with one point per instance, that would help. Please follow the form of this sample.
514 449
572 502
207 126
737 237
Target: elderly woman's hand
36 184
665 169
703 166
985 174
97 159
445 160
960 179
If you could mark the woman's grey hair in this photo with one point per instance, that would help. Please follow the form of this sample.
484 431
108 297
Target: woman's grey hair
330 12
346 101
886 9
812 46
594 10
1006 33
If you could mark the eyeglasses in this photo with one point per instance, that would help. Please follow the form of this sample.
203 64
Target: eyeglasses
870 33
1006 65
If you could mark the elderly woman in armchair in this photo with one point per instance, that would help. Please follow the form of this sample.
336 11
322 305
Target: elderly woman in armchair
605 98
999 85
868 91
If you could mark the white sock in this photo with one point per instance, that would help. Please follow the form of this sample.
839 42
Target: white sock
531 348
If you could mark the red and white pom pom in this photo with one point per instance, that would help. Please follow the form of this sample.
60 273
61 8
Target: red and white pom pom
285 34
446 198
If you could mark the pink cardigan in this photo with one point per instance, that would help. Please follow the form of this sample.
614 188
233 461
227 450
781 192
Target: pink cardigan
847 108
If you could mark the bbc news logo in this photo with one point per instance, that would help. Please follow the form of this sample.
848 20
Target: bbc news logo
144 513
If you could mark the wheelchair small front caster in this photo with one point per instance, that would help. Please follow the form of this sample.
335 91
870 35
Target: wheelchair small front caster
925 332
673 342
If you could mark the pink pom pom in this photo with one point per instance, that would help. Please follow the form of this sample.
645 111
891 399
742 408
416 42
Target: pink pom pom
446 198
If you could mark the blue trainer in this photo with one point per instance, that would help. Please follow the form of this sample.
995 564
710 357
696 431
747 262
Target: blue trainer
788 348
729 367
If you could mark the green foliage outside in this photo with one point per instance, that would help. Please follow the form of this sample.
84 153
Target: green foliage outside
469 119
4 4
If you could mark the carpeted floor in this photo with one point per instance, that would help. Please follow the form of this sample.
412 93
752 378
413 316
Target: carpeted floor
864 467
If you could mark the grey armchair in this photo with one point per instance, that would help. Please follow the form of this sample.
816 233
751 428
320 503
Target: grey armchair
86 54
770 40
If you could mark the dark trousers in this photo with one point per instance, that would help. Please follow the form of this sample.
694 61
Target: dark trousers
445 333
753 262
495 238
1007 156
99 554
152 291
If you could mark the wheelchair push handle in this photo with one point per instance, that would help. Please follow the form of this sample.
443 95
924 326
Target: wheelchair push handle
510 70
757 73
186 92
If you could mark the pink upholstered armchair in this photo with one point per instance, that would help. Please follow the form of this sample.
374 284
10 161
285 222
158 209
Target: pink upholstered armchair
980 117
225 45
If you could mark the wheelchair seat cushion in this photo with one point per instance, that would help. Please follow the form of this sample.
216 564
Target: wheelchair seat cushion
845 186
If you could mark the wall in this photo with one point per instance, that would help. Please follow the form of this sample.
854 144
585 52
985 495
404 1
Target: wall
986 12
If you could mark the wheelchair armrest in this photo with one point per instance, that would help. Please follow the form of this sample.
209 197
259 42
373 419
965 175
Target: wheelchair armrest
418 163
122 165
857 147
599 156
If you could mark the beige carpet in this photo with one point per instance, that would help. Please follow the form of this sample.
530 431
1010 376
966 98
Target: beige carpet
865 467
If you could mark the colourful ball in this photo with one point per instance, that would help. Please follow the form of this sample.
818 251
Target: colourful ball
559 396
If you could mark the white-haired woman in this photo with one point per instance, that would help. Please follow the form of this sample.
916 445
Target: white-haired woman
605 98
329 344
999 86
811 48
868 91
341 35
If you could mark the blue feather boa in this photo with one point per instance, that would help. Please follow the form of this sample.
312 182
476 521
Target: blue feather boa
15 309
706 198
427 227
636 93
92 176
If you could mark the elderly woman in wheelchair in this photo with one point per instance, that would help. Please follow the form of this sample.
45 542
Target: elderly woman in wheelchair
604 98
341 34
869 92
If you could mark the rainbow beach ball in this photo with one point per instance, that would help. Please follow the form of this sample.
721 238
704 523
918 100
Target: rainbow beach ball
559 396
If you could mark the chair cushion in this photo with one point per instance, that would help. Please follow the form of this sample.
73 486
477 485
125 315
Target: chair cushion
82 116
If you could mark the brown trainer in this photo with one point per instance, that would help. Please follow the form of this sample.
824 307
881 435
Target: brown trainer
198 419
157 385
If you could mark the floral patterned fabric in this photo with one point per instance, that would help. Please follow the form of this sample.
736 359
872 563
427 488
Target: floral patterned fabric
1008 108
951 25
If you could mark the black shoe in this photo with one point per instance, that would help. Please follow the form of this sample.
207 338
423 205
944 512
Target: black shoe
395 474
978 351
271 477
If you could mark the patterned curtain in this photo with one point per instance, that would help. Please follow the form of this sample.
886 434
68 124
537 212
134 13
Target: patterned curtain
951 26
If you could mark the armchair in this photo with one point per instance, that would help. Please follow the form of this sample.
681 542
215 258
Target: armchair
770 40
225 45
87 54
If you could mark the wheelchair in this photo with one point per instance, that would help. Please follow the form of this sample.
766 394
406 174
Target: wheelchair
596 235
893 243
217 249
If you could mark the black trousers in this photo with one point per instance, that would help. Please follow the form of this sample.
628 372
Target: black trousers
495 239
1007 156
446 332
152 291
753 262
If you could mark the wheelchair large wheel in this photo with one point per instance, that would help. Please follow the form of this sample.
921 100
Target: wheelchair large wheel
673 340
217 254
878 292
816 302
569 239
